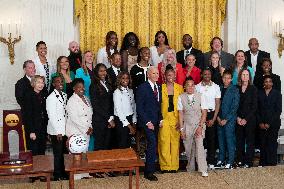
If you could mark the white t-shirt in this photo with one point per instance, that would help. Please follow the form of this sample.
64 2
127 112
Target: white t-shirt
210 93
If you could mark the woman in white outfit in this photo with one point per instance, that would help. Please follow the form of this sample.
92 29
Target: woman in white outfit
79 111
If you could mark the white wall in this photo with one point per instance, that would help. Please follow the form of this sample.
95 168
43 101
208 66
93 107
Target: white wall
47 20
255 18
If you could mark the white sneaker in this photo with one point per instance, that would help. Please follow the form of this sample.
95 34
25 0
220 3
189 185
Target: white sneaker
211 167
204 174
228 166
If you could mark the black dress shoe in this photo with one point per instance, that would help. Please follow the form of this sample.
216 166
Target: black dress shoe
110 174
150 177
173 171
97 175
165 171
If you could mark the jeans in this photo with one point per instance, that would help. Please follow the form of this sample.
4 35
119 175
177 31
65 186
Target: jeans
227 141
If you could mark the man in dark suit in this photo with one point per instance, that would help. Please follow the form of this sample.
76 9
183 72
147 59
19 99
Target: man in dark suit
226 59
24 84
114 70
188 49
148 103
255 56
75 56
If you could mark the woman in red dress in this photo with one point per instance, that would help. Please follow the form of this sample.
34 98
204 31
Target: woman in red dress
191 70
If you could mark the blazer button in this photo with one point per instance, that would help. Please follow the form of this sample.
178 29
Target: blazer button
86 115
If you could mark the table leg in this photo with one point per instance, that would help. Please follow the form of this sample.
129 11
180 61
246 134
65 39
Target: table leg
130 179
71 180
137 177
47 176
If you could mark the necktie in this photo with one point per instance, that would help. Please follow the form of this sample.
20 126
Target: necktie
186 53
47 73
156 92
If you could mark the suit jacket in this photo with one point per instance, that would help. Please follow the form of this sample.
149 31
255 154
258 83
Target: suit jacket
227 59
147 106
55 107
34 112
178 89
21 89
79 116
197 53
269 108
102 103
112 77
248 104
229 103
260 56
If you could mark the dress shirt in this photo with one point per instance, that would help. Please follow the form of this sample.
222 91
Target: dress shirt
29 78
124 105
210 93
186 53
152 86
116 70
253 60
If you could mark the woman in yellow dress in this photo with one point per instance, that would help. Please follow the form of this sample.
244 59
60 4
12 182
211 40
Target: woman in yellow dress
169 135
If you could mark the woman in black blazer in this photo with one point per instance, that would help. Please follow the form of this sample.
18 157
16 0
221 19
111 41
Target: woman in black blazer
268 118
246 120
102 103
35 116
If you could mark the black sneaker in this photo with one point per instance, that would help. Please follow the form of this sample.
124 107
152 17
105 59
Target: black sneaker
238 164
220 165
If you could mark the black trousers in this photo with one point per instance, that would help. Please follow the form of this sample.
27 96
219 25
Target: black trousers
268 146
37 146
122 133
102 135
59 148
210 139
245 139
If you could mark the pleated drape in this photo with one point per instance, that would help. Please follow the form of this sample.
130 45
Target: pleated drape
202 19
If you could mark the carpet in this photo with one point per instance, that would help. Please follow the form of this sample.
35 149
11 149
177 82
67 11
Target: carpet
268 177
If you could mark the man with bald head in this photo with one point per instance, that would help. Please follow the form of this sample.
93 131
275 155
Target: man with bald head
255 56
75 57
148 103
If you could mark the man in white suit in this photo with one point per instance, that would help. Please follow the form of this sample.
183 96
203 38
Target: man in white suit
55 106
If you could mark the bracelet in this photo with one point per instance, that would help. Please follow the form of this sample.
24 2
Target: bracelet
181 129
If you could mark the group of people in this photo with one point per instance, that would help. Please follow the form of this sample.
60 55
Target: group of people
208 100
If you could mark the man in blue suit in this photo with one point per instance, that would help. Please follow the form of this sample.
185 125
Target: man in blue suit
148 103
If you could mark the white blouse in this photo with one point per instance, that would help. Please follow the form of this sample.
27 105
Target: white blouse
124 105
102 56
155 58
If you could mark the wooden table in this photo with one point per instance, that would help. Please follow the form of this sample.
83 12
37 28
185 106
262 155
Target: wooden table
104 161
42 166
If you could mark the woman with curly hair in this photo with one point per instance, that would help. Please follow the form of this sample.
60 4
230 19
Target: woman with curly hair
129 51
105 52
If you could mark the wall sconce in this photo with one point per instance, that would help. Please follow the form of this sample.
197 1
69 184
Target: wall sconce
10 42
278 28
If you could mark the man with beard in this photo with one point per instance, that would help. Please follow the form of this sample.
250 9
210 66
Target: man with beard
75 57
188 49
